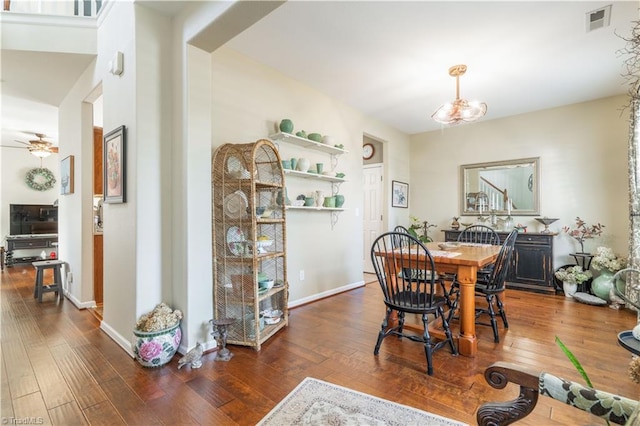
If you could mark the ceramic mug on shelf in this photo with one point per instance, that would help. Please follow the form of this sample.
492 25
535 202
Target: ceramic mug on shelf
319 167
294 164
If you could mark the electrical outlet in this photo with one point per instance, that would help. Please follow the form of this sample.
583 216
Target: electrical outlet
69 277
301 274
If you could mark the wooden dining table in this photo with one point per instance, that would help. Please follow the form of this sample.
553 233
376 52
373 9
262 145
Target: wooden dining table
464 261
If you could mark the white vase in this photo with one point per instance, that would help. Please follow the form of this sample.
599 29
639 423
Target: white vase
569 288
303 164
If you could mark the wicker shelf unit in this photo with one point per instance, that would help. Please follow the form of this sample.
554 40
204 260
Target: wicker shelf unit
247 242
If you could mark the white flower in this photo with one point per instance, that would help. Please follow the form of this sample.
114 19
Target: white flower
605 258
573 275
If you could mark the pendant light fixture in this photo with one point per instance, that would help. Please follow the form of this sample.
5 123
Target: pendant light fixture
460 109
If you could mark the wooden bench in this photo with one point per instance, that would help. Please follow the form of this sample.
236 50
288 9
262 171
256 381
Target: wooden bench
533 383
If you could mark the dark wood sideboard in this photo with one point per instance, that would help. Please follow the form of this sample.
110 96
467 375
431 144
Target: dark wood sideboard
532 267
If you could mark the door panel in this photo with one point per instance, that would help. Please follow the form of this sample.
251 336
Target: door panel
372 212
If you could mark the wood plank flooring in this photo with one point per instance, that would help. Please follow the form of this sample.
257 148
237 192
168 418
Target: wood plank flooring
59 367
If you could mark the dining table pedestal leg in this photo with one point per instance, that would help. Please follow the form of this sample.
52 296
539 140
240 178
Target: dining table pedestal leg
467 342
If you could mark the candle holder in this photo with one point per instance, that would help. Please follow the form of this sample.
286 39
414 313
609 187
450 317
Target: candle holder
546 221
220 333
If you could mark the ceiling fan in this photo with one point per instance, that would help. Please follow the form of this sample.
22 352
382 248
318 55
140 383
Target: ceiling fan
38 147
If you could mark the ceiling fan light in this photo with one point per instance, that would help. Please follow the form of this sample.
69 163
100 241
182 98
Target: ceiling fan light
40 153
460 109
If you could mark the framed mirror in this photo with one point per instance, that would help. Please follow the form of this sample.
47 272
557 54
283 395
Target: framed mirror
506 187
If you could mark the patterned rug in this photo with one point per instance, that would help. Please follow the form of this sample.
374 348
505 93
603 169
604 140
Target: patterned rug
314 402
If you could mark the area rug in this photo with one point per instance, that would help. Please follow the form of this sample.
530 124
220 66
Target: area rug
314 402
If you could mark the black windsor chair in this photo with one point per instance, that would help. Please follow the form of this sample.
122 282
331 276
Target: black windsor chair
412 293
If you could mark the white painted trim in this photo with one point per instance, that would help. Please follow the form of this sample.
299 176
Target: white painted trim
318 296
77 303
121 341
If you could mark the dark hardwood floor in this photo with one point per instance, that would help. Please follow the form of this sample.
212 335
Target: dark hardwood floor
57 365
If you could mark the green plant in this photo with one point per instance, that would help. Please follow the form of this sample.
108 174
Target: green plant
574 361
420 229
576 364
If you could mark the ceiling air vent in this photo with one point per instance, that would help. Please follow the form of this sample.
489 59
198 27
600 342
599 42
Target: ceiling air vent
598 18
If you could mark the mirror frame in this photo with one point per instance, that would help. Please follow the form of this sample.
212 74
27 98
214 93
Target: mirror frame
533 161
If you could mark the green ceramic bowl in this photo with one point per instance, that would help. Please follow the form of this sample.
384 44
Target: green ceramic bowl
316 137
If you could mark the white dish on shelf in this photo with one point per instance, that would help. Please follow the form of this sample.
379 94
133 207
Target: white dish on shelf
235 205
272 316
236 241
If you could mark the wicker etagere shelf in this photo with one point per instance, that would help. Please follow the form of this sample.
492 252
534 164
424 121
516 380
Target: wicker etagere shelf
249 244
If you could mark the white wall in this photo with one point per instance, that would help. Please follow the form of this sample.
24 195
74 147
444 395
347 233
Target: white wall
583 168
249 100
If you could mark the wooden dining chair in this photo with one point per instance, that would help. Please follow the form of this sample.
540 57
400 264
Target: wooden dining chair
412 292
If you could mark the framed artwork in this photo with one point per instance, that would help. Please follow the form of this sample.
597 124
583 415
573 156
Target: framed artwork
66 176
114 150
399 194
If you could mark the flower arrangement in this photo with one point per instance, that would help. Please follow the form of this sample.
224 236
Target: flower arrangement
583 232
574 274
605 258
420 229
161 318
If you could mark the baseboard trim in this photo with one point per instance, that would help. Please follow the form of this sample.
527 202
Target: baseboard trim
325 294
77 303
117 337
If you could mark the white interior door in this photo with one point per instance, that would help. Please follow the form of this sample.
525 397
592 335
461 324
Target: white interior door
372 214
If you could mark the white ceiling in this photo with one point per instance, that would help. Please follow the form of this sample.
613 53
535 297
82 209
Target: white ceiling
390 59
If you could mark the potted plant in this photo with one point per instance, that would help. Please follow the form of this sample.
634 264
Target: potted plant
571 277
420 229
157 336
583 232
607 263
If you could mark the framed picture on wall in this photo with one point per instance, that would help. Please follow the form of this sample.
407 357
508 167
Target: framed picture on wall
66 176
114 149
399 194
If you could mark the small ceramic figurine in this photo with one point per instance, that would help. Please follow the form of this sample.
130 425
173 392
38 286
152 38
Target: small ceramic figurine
455 224
192 357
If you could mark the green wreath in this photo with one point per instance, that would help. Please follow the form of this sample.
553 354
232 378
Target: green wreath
40 179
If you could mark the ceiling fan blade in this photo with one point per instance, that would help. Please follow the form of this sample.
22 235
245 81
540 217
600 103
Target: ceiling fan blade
53 149
9 146
24 143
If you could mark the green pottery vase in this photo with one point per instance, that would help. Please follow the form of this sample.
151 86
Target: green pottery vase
286 126
602 284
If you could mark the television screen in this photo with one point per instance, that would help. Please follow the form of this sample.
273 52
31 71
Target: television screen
27 219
